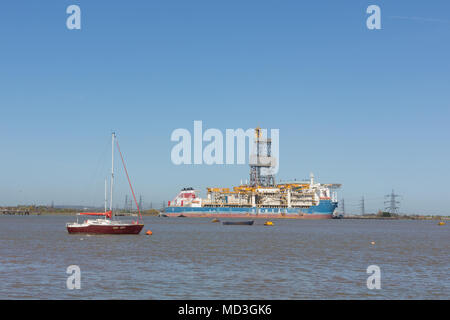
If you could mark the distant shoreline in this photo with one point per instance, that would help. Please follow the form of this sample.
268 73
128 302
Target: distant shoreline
72 214
45 211
434 217
156 213
59 211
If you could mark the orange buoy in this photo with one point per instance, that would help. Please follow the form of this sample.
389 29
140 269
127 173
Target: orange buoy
149 233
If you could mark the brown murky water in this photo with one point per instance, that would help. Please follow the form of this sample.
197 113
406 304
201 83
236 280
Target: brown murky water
192 258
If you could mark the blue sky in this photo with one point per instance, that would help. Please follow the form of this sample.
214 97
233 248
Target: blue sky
365 108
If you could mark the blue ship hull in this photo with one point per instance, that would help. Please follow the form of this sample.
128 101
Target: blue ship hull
324 210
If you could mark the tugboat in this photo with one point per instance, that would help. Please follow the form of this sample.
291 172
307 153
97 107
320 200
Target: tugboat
107 225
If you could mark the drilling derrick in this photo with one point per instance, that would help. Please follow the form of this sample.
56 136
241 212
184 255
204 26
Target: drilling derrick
262 162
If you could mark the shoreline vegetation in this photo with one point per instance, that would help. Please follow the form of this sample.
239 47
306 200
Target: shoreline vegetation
399 217
383 215
47 210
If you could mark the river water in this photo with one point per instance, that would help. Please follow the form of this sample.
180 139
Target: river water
192 258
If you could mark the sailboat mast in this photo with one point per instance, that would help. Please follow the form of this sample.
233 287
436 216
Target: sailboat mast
106 200
112 172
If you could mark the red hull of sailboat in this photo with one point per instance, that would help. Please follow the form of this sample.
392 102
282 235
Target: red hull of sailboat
96 229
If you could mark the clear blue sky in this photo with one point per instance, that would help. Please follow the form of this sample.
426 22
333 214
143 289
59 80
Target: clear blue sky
368 109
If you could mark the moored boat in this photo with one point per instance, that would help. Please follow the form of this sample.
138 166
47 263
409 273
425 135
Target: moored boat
238 223
103 226
107 224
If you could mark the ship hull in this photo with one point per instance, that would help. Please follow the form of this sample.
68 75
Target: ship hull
324 210
99 229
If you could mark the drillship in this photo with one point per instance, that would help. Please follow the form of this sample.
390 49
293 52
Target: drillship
262 197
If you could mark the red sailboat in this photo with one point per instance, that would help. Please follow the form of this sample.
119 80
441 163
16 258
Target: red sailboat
107 224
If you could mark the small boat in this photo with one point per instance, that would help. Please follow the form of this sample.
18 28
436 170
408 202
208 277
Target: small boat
181 216
268 223
215 220
238 223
